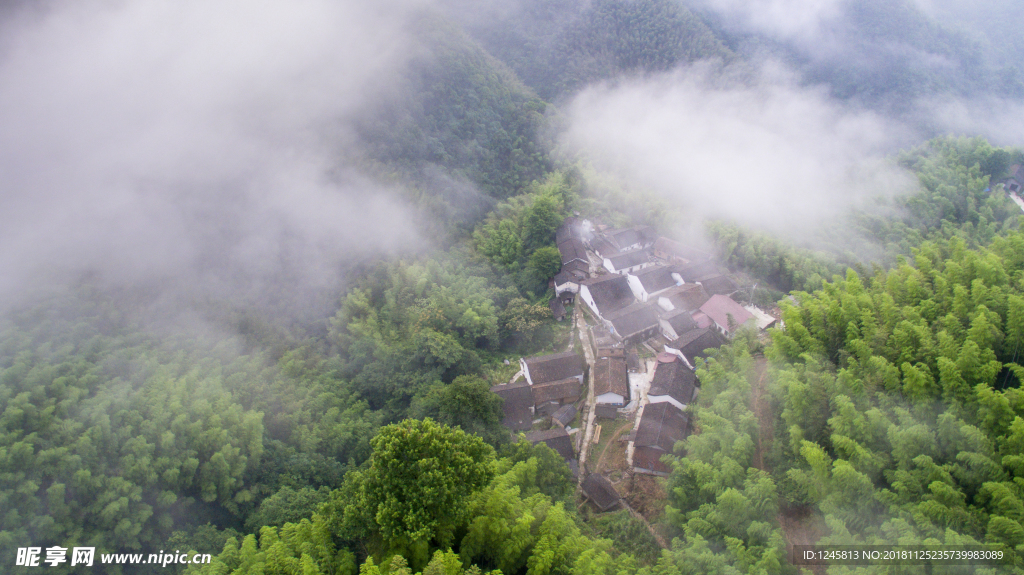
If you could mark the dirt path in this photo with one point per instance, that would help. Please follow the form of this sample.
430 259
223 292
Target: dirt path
760 405
590 414
611 443
800 526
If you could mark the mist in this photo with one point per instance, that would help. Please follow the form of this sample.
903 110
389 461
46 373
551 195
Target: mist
748 145
203 147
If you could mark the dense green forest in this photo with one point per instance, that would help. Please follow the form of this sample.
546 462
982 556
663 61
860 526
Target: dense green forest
888 54
559 46
888 409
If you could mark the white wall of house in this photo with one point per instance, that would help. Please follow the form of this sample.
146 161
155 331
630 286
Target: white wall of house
610 399
567 287
525 370
666 398
667 330
637 288
665 304
678 354
588 298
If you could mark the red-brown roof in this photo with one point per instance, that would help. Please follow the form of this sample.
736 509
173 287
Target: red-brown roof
610 376
720 307
567 390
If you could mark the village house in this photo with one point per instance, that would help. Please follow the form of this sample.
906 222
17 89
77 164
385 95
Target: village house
564 415
633 324
1015 182
652 281
554 367
634 238
574 256
557 439
627 262
603 247
674 252
675 323
606 294
761 319
693 344
551 395
567 284
600 492
569 238
724 313
673 382
557 308
687 297
718 285
693 273
611 382
517 405
661 426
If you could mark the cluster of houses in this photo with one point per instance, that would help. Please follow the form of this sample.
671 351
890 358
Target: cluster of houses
641 289
648 286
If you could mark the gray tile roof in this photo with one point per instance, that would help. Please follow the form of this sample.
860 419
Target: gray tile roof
629 259
610 376
687 297
518 399
634 319
693 343
610 292
563 390
680 320
556 439
661 426
655 278
555 367
600 492
675 380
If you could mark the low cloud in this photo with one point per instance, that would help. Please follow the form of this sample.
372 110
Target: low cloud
203 145
802 21
751 146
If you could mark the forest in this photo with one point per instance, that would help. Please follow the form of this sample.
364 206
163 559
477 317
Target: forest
886 409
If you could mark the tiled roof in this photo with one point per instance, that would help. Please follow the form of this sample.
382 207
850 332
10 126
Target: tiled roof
565 414
662 425
680 320
572 249
634 319
698 271
610 376
604 247
556 439
655 278
600 491
554 367
557 307
610 292
518 399
687 297
693 343
629 259
561 390
719 308
679 250
675 380
719 285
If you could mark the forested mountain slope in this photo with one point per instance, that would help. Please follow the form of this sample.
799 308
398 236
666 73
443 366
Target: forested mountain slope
281 446
559 46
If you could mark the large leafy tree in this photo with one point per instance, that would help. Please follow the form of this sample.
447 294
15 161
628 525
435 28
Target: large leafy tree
420 475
